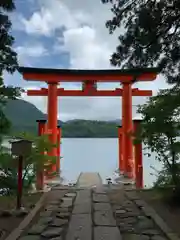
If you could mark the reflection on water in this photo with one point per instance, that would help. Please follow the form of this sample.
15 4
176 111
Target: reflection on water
97 155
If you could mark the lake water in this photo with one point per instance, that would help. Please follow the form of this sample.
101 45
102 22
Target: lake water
97 155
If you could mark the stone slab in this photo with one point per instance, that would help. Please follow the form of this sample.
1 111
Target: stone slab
104 218
46 214
52 232
30 237
132 236
57 238
51 208
58 222
63 215
102 206
66 209
72 195
45 220
66 202
139 202
107 233
100 198
80 227
144 224
37 229
83 196
100 190
132 195
82 208
57 202
158 238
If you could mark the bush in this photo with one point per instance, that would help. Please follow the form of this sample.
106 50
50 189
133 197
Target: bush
33 161
160 132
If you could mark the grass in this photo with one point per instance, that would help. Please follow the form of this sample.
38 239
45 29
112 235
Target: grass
153 193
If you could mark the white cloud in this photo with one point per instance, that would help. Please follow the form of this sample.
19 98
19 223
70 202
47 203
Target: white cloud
28 52
85 49
159 83
31 51
37 23
89 45
138 117
94 108
84 27
52 16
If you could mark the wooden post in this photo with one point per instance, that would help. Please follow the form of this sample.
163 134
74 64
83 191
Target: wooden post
20 182
21 148
138 158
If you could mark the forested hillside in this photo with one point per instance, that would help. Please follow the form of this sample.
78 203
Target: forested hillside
23 116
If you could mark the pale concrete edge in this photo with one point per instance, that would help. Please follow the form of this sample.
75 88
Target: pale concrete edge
16 233
148 210
100 177
77 182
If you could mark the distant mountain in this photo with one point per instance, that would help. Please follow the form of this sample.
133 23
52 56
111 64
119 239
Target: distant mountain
23 116
118 121
89 128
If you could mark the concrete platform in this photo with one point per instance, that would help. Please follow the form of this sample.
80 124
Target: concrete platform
89 180
52 182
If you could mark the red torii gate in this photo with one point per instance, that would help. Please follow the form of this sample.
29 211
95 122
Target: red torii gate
89 78
90 90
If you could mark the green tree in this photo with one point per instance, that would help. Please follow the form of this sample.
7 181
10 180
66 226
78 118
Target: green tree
8 61
32 162
149 35
160 131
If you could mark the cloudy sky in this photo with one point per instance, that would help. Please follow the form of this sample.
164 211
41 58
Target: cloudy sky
69 34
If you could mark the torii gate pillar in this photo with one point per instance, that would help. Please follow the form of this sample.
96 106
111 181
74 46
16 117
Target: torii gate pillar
52 119
121 162
40 169
58 148
138 157
127 147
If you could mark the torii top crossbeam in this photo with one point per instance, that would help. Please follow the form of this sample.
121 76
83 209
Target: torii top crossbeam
74 75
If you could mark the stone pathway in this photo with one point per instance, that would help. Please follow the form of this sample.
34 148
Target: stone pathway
101 213
133 220
93 214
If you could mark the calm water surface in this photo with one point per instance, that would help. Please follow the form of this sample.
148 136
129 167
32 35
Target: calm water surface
97 155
